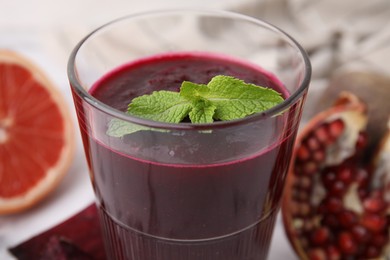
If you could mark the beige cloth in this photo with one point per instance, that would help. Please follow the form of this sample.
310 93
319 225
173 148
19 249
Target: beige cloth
348 33
340 37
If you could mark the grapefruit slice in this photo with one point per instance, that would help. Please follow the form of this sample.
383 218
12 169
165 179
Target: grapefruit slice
36 134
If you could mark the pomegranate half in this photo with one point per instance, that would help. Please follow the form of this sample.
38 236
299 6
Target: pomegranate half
337 202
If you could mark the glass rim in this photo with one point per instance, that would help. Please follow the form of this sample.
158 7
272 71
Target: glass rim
288 102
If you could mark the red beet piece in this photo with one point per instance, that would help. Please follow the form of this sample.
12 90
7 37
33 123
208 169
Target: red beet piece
77 238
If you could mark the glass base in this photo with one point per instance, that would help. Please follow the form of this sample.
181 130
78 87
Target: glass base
124 243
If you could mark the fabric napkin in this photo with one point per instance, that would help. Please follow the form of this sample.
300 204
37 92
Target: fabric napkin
77 238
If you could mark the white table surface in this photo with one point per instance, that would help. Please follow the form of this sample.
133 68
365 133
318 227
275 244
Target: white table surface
46 31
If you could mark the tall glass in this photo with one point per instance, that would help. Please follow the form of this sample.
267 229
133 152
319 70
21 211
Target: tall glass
188 191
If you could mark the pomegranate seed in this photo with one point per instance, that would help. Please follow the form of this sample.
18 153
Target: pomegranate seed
305 182
328 177
377 194
337 189
303 153
362 141
319 156
362 193
379 240
302 196
304 242
294 209
347 218
336 128
374 205
313 144
373 222
372 252
347 244
322 134
309 168
330 221
303 209
317 254
295 192
361 177
360 233
332 205
333 253
345 174
320 236
308 225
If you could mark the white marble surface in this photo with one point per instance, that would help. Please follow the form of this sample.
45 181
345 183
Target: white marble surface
46 31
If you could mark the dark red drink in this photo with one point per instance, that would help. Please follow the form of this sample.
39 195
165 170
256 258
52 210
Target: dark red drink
186 194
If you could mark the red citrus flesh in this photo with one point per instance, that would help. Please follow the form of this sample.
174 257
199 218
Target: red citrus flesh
36 134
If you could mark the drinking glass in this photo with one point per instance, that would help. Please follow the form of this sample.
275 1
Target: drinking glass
189 191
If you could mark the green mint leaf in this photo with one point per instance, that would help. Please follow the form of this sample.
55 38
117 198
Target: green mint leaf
163 106
194 92
202 112
236 99
119 128
223 98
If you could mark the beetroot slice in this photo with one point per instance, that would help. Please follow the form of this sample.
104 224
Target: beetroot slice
76 238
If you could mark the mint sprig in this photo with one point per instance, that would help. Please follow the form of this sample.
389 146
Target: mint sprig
164 106
223 98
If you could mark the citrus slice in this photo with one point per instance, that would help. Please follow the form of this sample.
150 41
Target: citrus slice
36 134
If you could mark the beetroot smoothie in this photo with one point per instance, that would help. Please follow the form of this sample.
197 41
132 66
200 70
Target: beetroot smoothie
185 195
